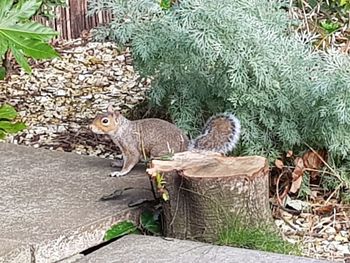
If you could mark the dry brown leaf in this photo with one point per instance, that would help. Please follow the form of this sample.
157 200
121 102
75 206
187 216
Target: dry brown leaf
299 168
297 175
313 161
314 195
279 164
296 185
289 154
324 210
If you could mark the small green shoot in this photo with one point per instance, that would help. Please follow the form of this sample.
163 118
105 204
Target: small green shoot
329 26
160 185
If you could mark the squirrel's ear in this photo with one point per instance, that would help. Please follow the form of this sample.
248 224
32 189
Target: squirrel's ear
110 109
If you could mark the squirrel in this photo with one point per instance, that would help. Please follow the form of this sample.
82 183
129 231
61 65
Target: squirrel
140 139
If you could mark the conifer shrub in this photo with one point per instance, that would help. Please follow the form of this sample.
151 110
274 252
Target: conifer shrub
209 56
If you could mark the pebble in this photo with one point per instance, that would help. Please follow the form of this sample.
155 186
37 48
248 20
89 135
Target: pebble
61 92
323 241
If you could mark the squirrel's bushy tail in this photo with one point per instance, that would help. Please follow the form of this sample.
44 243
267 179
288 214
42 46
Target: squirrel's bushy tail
220 134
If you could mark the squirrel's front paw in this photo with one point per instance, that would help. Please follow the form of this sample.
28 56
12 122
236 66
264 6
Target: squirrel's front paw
117 174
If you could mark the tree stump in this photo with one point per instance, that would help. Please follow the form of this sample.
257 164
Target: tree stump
207 191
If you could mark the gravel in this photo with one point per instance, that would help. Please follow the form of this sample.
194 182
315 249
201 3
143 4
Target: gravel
61 96
321 236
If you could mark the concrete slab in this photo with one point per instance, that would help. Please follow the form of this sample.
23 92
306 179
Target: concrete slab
12 251
144 249
49 206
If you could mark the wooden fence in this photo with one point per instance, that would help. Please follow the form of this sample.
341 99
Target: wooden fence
72 20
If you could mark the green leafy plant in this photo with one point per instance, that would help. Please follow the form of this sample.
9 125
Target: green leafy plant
24 38
209 56
149 223
7 125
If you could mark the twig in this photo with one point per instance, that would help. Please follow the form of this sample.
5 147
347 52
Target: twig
289 224
152 187
277 190
305 18
325 163
331 195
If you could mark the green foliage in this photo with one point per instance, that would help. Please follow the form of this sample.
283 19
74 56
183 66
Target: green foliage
338 5
258 238
165 4
208 56
329 26
337 178
345 196
48 7
305 190
7 126
149 223
121 229
321 19
23 37
334 7
2 73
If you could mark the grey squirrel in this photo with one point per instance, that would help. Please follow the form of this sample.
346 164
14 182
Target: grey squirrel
155 137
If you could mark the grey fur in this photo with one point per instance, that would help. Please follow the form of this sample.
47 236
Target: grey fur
231 140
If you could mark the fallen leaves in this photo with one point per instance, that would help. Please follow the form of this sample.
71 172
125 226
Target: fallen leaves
288 178
279 164
297 175
324 210
319 219
311 161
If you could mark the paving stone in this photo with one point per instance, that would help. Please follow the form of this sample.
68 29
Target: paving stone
13 251
49 206
147 249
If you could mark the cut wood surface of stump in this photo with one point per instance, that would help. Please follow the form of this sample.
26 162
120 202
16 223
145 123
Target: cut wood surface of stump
208 192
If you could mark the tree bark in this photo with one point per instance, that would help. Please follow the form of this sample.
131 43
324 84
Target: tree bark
208 191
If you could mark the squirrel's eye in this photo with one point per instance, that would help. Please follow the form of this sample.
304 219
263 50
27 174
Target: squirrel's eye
105 121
